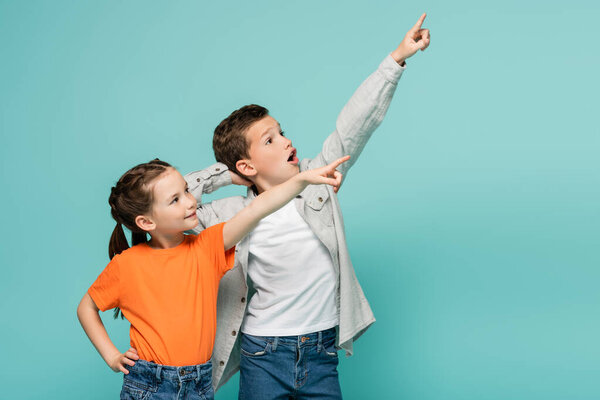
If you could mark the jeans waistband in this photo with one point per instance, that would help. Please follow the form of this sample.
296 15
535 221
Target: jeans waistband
167 372
313 338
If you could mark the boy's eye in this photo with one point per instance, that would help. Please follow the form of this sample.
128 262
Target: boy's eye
175 200
268 141
282 133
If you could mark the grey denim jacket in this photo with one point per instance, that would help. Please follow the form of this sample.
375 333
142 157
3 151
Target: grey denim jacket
319 207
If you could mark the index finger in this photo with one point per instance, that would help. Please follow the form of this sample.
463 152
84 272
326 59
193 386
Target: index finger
419 23
132 356
339 161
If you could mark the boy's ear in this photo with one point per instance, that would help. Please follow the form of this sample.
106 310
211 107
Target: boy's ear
245 168
145 223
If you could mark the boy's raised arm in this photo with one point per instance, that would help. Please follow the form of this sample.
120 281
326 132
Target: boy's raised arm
367 107
207 181
276 197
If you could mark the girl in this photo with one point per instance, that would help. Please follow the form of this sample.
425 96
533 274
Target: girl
167 287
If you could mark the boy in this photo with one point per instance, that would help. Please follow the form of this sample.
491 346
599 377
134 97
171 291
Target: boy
293 299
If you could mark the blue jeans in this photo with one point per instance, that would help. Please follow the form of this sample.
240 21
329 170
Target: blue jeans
149 381
289 367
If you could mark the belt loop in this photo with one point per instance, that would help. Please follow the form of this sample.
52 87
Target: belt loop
158 371
274 344
198 373
320 342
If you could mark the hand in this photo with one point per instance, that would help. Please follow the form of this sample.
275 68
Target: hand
325 175
119 361
416 39
238 180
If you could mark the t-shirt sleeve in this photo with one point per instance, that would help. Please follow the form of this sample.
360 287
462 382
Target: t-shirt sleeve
105 290
210 241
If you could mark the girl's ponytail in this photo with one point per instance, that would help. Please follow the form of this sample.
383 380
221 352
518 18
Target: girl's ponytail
130 197
118 242
116 245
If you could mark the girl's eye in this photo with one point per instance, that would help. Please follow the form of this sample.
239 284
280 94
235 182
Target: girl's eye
175 200
282 133
268 141
187 190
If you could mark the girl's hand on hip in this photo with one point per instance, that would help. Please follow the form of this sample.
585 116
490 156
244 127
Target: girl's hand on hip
119 361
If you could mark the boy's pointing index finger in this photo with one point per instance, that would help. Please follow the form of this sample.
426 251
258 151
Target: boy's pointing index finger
419 23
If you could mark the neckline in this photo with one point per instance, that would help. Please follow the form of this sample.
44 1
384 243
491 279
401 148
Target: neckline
170 249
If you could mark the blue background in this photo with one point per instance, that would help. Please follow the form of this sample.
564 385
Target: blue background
472 215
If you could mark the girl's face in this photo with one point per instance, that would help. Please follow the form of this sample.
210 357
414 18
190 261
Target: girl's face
174 208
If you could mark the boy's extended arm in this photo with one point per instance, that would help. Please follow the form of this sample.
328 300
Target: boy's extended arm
276 197
367 107
87 312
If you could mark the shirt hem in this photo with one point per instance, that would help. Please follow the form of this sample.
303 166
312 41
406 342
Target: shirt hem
292 332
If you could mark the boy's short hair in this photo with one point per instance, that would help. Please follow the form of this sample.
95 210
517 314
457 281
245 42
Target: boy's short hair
229 140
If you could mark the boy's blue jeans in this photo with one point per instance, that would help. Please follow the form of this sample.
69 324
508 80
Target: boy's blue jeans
289 367
149 381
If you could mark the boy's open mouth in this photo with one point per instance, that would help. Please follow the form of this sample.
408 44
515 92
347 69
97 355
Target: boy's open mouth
292 158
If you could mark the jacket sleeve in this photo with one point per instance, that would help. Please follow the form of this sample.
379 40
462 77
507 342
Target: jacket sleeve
360 116
207 181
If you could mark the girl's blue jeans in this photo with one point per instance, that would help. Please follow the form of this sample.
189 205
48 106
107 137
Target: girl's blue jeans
150 381
289 367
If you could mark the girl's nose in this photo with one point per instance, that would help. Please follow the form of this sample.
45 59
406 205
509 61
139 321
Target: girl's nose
192 202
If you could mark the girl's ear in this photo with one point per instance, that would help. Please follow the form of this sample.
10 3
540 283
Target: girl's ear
246 168
145 223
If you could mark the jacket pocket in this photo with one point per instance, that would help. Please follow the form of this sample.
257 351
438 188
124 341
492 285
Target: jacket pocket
318 205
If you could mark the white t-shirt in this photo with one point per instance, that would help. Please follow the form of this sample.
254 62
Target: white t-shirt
293 275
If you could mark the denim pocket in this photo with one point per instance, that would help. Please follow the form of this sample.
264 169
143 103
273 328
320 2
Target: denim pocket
131 392
136 387
205 389
329 347
254 346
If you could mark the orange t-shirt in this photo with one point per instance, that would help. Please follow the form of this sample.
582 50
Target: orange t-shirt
169 296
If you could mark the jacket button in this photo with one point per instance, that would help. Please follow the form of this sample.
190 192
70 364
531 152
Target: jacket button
243 299
233 333
221 363
197 179
320 199
217 169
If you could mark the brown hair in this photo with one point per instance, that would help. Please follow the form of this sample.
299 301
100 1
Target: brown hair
130 197
229 141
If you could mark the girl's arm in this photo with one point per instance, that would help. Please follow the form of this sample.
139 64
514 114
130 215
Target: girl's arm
87 312
273 199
